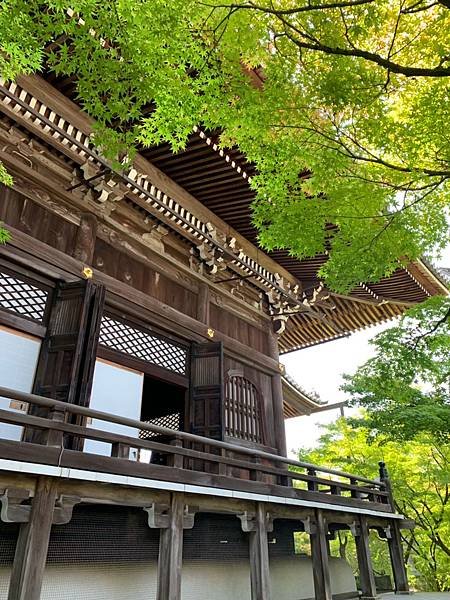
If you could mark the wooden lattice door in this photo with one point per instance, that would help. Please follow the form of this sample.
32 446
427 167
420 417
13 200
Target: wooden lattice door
206 390
67 358
243 414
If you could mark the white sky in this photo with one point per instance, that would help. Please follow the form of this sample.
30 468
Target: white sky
320 369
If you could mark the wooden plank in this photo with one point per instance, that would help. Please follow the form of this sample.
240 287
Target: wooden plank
32 544
17 322
259 556
366 574
171 552
319 558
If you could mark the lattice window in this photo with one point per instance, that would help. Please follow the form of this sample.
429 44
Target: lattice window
172 421
21 297
143 345
243 410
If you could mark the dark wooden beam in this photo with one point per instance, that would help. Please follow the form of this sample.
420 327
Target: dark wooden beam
366 574
32 544
319 558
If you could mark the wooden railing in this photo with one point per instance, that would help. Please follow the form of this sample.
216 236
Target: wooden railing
177 456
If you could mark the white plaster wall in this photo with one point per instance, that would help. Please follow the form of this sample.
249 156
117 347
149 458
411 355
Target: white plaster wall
202 580
19 355
118 391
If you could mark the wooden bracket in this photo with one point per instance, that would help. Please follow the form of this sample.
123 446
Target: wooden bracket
249 522
309 525
63 511
13 511
159 516
384 533
355 528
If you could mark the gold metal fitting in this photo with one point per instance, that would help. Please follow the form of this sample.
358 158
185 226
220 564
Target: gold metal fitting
211 332
87 272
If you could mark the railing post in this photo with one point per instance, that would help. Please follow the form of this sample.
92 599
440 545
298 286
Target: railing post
32 544
395 540
53 437
119 450
312 485
319 558
223 468
176 460
255 474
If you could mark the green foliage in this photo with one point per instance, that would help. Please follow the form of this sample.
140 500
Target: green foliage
348 130
405 387
420 476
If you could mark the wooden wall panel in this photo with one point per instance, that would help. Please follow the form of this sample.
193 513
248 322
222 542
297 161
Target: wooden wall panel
27 216
264 383
125 268
239 329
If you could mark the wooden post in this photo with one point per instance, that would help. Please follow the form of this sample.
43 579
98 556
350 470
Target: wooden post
32 544
397 560
366 575
277 399
85 239
203 303
319 557
257 526
395 540
170 558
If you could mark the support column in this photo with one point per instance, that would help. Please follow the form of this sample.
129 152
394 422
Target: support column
85 239
32 544
203 303
394 540
171 522
277 398
397 560
319 557
257 525
361 532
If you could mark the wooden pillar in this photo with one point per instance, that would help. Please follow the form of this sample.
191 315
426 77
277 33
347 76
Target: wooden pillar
395 540
319 557
203 303
366 575
397 560
257 525
170 558
277 399
32 544
85 239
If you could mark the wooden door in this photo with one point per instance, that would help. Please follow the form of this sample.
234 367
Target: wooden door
67 358
206 390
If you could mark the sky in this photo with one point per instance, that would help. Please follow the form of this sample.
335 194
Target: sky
320 369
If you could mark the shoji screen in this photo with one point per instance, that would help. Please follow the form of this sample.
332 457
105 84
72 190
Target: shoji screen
19 353
118 391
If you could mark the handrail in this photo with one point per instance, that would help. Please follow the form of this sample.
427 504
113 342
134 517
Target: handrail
141 425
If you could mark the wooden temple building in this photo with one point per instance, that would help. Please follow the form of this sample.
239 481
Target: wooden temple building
142 441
